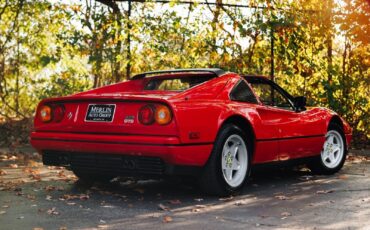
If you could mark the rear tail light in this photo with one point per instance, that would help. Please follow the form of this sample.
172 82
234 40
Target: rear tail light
146 115
45 113
49 113
160 114
163 115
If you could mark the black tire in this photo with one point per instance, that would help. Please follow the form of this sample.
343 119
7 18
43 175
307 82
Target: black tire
212 180
317 166
90 178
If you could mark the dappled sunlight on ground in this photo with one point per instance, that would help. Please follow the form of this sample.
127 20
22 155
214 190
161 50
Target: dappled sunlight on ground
52 197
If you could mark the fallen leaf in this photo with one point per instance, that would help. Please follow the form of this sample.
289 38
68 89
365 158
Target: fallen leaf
61 174
48 197
84 197
3 172
163 207
35 176
167 219
342 177
63 228
2 212
282 197
13 158
38 229
324 191
31 197
195 210
5 206
73 197
19 193
102 226
239 203
71 203
13 166
285 215
49 188
52 211
226 198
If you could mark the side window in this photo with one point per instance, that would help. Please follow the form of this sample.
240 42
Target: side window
242 92
269 95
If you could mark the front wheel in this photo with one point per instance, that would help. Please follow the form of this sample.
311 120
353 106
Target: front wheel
333 154
229 165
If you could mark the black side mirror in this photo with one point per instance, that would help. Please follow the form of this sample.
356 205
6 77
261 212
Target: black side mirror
300 103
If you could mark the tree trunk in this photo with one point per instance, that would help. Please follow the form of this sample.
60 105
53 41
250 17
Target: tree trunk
329 43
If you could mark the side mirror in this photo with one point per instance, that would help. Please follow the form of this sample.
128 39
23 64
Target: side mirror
300 103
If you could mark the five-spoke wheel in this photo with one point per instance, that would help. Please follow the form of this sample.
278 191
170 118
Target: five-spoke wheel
234 160
229 164
333 154
333 150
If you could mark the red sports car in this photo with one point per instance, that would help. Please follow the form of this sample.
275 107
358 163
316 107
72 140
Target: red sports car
208 123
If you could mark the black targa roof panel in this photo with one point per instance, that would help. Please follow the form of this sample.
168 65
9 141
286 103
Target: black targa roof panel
217 72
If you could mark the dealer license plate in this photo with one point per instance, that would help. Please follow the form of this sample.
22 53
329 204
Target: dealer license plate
100 113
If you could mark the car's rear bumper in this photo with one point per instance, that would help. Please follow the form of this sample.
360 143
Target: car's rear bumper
167 148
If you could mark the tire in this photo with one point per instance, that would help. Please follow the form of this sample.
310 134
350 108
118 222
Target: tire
229 165
333 154
90 178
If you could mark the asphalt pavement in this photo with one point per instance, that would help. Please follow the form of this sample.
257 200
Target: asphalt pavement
33 196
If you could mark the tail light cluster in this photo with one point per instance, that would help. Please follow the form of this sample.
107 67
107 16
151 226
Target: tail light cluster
160 114
49 113
148 114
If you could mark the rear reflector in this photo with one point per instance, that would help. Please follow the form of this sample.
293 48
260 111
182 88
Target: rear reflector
58 113
146 115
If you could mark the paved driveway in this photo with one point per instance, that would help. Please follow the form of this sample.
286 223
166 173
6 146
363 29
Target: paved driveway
36 197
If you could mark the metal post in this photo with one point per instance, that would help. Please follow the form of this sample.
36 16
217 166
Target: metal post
272 67
129 27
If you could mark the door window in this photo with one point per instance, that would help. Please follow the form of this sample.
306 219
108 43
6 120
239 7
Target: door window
271 96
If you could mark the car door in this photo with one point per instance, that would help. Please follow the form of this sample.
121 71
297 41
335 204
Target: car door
298 132
246 102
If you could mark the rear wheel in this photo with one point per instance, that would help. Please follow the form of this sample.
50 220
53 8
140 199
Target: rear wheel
333 154
229 164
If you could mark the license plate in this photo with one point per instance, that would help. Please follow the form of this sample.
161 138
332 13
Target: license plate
100 113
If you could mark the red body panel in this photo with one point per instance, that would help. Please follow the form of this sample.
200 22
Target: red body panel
198 114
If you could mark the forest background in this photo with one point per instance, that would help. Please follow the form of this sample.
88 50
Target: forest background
319 49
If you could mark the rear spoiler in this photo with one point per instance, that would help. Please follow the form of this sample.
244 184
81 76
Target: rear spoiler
217 72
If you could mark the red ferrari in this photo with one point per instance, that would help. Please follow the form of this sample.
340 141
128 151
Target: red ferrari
207 123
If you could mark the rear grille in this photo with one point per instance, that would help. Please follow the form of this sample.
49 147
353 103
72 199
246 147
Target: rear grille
104 163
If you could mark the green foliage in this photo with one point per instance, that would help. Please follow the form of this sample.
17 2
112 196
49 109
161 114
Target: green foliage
54 48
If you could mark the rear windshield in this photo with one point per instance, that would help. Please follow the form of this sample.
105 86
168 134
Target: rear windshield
176 84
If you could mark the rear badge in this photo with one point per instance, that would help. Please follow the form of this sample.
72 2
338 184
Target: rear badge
129 120
70 115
